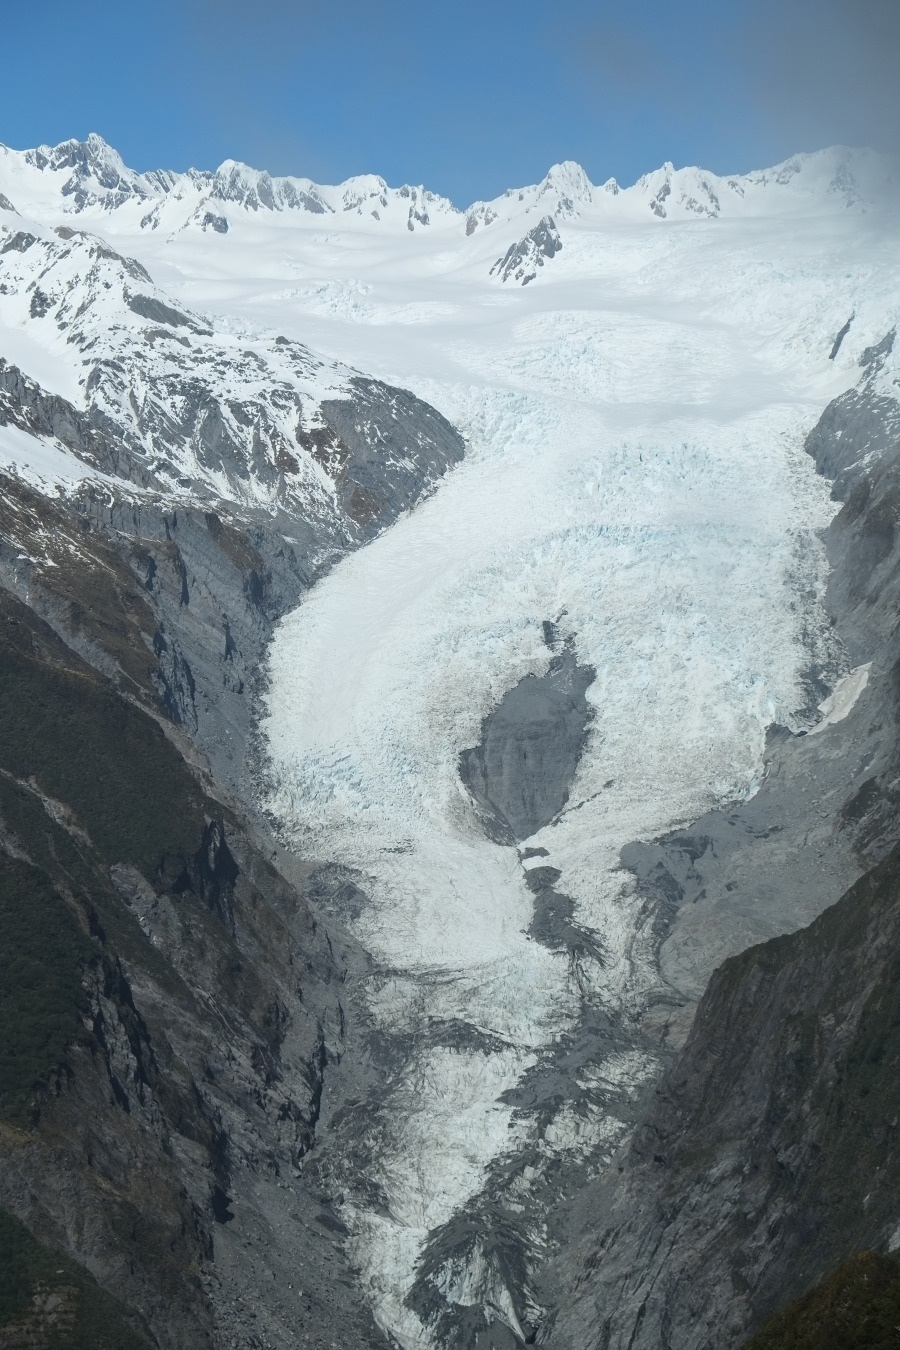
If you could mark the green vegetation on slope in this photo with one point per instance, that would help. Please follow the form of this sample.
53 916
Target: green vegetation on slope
49 1302
857 1307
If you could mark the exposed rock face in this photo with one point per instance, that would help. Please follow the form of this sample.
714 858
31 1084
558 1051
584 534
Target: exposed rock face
521 260
859 423
389 443
771 1152
519 774
768 1155
171 1075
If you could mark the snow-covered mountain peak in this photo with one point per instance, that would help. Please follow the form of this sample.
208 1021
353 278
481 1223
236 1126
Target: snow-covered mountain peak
93 174
838 177
89 177
365 190
91 158
565 189
255 189
823 181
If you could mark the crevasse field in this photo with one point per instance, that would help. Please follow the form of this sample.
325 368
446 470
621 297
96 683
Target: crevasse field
635 417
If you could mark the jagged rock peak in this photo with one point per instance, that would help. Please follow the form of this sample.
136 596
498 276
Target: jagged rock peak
255 188
98 174
523 258
94 156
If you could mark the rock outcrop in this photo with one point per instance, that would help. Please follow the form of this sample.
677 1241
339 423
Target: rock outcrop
519 773
522 259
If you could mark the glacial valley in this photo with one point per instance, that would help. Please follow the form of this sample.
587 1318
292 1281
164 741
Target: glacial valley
508 596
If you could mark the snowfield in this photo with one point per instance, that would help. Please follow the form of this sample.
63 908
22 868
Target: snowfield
635 417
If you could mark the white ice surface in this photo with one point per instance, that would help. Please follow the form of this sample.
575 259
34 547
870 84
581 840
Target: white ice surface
636 472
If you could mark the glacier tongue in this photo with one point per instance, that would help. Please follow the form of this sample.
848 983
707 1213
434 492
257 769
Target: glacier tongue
655 554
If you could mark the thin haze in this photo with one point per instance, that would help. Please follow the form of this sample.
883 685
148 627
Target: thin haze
469 99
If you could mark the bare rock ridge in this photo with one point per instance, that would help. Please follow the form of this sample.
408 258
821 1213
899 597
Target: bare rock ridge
771 1153
520 772
768 1154
170 1005
521 260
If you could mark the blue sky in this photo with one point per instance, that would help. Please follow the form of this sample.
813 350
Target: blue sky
467 98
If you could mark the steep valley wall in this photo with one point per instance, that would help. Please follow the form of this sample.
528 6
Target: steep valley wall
170 1002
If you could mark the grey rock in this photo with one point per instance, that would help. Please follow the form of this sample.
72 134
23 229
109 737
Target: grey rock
770 1153
522 259
211 221
24 404
150 308
20 242
519 774
40 304
836 345
859 423
554 923
165 1152
389 446
873 357
657 204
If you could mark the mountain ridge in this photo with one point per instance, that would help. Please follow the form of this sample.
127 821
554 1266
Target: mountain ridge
96 177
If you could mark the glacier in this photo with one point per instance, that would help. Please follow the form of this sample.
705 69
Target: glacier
635 476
